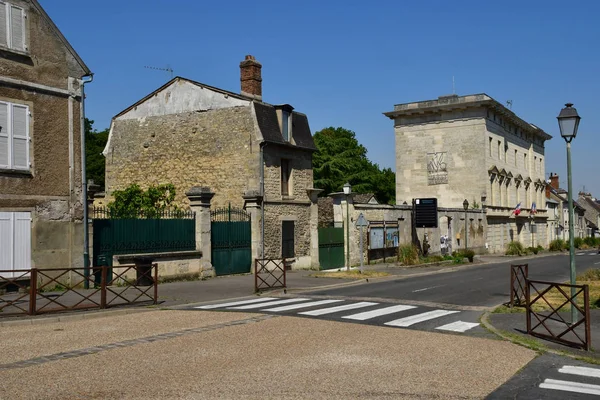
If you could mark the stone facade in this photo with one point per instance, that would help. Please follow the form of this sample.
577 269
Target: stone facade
46 78
247 152
473 148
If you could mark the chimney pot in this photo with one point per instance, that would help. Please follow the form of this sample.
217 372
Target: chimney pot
250 78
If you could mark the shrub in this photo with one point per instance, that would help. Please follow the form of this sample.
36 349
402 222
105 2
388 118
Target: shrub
540 247
533 250
592 241
557 245
578 242
408 254
515 248
470 254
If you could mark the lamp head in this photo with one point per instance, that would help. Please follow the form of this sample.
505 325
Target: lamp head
347 188
568 122
466 204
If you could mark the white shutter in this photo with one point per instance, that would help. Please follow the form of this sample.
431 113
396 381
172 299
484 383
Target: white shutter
20 137
17 28
4 136
3 25
22 240
6 244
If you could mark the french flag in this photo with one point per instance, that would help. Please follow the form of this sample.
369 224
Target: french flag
517 210
533 209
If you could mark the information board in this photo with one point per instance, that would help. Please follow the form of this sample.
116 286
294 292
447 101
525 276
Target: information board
425 211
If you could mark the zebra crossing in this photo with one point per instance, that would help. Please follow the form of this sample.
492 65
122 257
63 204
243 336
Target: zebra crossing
346 310
588 253
575 386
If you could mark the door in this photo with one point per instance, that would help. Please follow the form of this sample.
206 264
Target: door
231 241
331 248
15 243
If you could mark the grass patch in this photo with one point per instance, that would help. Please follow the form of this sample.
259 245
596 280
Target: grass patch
352 274
524 340
503 309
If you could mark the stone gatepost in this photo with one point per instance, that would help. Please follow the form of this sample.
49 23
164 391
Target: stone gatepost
253 205
200 197
314 227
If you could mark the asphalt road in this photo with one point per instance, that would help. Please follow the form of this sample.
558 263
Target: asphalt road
481 286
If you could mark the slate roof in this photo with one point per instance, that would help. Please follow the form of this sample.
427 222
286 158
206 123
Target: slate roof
269 127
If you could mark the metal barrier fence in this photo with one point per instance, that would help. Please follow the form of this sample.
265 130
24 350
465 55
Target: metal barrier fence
38 291
551 324
269 273
518 283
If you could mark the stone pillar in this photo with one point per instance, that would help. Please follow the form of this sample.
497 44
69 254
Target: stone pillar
314 227
253 203
200 197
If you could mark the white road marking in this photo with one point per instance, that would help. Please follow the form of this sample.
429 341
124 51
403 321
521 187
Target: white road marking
235 303
303 305
580 254
458 326
582 371
570 386
271 303
379 312
414 319
597 263
427 288
332 310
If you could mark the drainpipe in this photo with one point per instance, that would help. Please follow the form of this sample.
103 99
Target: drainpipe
86 239
262 193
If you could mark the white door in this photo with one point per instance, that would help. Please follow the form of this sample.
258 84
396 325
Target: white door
15 243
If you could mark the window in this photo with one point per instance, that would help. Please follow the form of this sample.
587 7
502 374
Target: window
15 242
285 125
525 161
515 158
535 163
12 27
286 173
499 144
490 147
14 136
287 239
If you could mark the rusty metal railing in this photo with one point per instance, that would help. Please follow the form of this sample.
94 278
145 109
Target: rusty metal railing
551 324
269 273
518 283
38 291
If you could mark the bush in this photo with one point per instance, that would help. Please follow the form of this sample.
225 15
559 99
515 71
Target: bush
408 254
557 245
592 241
470 254
533 250
540 247
515 248
578 242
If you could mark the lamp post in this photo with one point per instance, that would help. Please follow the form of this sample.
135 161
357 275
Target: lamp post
466 207
568 122
347 191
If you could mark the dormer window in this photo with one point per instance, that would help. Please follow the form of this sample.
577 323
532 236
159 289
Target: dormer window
286 125
12 27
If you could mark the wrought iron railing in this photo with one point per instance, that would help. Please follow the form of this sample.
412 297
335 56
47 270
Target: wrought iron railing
269 274
38 291
107 213
547 321
518 284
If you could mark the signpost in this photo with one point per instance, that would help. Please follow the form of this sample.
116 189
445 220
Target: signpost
360 222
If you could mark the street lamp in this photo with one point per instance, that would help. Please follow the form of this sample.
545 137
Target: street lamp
347 191
466 207
568 122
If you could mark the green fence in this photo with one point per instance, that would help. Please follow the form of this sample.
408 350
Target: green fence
231 241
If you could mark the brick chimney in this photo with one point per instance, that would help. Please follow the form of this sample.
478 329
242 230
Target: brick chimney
554 180
250 78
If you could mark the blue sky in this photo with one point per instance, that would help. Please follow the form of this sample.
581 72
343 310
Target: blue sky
344 63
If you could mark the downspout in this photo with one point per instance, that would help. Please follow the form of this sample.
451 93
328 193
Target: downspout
86 239
262 193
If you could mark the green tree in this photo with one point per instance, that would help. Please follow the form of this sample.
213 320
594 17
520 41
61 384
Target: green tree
340 158
134 202
94 160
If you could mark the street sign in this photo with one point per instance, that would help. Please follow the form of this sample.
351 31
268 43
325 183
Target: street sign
361 221
425 213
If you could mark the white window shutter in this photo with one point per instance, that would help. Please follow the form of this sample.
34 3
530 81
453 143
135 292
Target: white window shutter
3 25
22 240
6 244
17 28
4 136
20 137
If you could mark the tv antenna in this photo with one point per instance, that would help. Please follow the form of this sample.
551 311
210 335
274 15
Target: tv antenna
166 69
509 104
453 87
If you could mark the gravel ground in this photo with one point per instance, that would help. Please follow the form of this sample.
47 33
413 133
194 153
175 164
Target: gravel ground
281 357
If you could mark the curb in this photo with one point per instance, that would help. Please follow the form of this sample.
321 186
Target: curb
78 316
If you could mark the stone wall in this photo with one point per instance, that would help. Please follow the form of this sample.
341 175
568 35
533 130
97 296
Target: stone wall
298 212
216 148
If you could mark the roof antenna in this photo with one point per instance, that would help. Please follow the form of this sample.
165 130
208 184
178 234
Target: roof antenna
509 104
167 69
453 87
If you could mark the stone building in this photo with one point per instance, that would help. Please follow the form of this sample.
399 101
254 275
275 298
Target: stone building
41 115
558 212
248 152
473 148
592 212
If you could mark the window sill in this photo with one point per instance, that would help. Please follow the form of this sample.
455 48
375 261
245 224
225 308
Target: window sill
15 51
25 173
287 197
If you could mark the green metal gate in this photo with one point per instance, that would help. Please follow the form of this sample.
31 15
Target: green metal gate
331 248
231 241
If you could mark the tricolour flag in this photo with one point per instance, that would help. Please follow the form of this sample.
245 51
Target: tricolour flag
517 209
533 209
